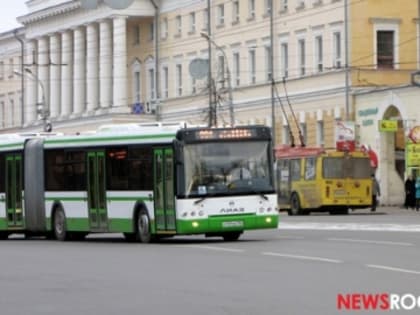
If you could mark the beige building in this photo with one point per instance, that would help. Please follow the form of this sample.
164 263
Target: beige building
96 66
10 83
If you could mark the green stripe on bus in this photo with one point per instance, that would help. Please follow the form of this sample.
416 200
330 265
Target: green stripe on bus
106 139
65 198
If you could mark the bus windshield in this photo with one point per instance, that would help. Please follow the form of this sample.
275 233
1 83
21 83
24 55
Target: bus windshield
227 168
350 167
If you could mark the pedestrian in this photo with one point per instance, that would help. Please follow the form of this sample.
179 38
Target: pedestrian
376 191
410 193
418 193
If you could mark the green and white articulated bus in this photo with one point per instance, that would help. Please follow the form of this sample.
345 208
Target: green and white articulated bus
147 182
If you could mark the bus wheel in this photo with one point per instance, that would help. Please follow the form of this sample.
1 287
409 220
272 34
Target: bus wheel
60 228
143 233
294 205
231 236
4 236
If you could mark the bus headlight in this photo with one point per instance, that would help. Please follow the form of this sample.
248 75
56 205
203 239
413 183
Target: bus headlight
267 220
195 224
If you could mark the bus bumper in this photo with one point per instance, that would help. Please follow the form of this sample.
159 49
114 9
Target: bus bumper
222 224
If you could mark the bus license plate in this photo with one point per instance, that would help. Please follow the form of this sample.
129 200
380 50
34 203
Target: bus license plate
229 224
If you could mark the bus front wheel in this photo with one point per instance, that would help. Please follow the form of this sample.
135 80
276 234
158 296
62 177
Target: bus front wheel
231 236
60 227
143 233
4 236
294 205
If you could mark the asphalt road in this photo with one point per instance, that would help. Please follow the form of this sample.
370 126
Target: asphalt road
298 269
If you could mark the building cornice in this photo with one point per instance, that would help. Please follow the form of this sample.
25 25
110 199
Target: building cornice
49 12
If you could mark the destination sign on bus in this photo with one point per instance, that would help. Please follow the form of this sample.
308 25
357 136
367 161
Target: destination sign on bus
209 134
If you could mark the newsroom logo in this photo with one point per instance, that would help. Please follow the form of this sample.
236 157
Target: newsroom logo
378 302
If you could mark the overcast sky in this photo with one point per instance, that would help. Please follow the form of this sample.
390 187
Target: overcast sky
9 11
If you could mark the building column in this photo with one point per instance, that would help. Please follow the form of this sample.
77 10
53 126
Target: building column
120 64
79 77
92 74
30 84
105 68
55 76
66 73
43 72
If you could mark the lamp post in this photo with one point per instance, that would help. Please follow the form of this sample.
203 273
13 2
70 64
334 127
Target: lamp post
44 110
231 112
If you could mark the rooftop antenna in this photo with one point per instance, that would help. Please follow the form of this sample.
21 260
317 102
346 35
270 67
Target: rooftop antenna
292 138
302 141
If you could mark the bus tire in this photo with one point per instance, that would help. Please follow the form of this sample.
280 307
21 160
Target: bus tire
4 236
294 205
231 236
143 231
59 225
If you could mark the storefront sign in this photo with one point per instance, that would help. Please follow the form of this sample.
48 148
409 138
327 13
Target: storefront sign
413 154
388 125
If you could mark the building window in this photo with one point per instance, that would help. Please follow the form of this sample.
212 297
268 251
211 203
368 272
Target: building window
151 81
251 9
320 137
151 31
304 132
192 22
221 14
236 68
137 87
283 6
136 35
300 4
164 29
178 80
1 70
221 70
319 54
385 49
284 62
267 6
205 19
235 11
301 56
252 66
286 134
178 25
193 85
165 78
268 63
337 50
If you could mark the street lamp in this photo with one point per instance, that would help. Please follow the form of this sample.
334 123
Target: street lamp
44 111
231 113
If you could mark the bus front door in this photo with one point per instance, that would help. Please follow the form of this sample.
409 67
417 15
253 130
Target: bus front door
98 216
14 191
164 196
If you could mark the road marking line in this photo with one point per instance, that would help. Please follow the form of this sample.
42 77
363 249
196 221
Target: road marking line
369 241
394 269
335 261
290 237
223 249
334 226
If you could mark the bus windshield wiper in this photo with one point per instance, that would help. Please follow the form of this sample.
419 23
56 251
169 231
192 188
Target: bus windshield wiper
200 200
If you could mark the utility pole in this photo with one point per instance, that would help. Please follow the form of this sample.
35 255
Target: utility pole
346 57
273 112
210 76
